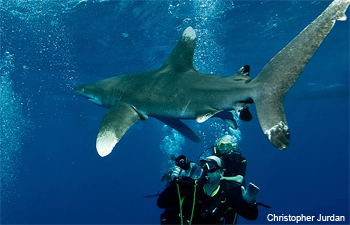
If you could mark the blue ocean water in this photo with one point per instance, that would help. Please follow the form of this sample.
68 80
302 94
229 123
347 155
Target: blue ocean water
50 170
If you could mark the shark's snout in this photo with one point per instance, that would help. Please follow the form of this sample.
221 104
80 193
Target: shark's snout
79 90
88 93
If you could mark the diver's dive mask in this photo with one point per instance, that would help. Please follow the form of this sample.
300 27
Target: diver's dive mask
209 166
228 144
225 146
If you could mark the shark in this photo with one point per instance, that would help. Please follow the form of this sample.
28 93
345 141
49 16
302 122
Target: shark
177 91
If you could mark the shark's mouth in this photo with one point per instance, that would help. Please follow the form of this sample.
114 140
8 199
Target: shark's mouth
91 97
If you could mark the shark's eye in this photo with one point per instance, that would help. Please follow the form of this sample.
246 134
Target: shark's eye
82 90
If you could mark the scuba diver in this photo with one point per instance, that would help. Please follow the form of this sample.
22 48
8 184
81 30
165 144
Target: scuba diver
228 150
199 195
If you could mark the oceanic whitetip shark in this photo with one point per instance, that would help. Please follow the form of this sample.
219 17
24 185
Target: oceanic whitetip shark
178 91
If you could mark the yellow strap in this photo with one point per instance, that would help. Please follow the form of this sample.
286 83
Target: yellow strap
194 201
182 200
235 219
214 192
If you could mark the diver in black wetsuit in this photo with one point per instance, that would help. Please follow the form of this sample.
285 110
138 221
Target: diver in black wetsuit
208 199
227 149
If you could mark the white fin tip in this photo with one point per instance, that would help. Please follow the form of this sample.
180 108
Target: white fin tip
105 143
189 33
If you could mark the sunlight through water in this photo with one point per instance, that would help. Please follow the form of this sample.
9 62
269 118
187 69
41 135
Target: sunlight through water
13 128
26 76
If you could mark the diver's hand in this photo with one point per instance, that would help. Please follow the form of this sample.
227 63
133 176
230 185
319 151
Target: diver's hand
178 173
238 179
250 194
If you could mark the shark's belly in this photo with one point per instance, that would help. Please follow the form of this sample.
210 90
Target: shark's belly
176 106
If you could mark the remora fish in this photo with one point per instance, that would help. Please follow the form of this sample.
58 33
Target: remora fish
178 91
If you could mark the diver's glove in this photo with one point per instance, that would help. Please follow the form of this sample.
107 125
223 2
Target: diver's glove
250 194
237 179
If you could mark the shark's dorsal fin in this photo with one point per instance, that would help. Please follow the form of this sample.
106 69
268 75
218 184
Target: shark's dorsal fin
118 119
180 127
181 57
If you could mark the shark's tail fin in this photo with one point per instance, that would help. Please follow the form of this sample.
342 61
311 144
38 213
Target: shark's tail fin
281 72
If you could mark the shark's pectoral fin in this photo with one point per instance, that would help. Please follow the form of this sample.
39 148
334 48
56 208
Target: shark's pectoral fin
118 119
180 127
273 121
228 118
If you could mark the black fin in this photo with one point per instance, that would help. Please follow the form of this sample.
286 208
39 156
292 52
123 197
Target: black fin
246 70
243 74
245 115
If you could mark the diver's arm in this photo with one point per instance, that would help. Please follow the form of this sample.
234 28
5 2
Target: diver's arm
237 179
